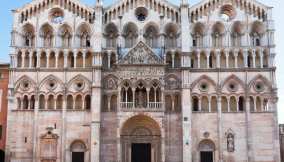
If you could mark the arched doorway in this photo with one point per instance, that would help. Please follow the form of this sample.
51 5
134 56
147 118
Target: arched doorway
141 140
78 149
206 149
2 156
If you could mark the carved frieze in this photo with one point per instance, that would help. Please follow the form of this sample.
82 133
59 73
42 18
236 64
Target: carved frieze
141 54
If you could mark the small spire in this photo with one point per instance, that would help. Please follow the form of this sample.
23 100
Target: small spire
99 2
184 2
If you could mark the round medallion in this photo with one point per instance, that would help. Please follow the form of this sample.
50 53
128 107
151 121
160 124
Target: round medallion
56 16
141 13
203 86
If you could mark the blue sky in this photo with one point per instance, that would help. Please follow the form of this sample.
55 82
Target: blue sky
6 20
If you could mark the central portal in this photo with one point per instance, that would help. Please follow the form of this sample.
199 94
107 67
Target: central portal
141 152
140 140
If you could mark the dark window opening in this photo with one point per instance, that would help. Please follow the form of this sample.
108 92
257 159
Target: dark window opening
194 43
141 152
206 156
78 156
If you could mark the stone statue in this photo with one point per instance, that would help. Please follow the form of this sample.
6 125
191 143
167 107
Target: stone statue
230 142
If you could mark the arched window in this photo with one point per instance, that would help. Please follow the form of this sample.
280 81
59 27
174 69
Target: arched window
84 35
113 103
28 35
87 105
130 35
52 60
218 31
65 34
41 102
26 103
171 32
43 60
70 60
78 102
206 150
50 102
59 102
78 150
19 59
241 104
47 35
198 34
32 102
151 36
236 34
70 102
195 103
19 103
111 34
257 30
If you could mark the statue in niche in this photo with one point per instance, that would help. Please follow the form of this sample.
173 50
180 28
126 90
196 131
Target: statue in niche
230 142
172 84
110 84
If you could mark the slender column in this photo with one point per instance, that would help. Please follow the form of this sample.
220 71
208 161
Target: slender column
173 102
173 59
35 130
15 61
45 103
220 131
108 59
56 59
245 55
248 132
65 58
208 59
133 95
198 59
30 60
228 103
218 53
23 58
261 104
276 129
74 103
253 58
84 58
187 120
47 59
63 130
199 104
108 103
254 102
209 105
148 97
75 58
227 53
38 58
238 104
261 58
236 58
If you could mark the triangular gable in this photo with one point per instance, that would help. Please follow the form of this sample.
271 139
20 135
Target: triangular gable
35 7
202 8
141 54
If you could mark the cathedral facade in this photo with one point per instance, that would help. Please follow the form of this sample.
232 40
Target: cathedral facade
142 81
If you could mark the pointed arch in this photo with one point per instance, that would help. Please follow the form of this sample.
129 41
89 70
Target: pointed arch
204 77
234 78
262 78
50 77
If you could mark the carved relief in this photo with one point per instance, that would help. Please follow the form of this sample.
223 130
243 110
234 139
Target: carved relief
230 141
48 146
141 54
